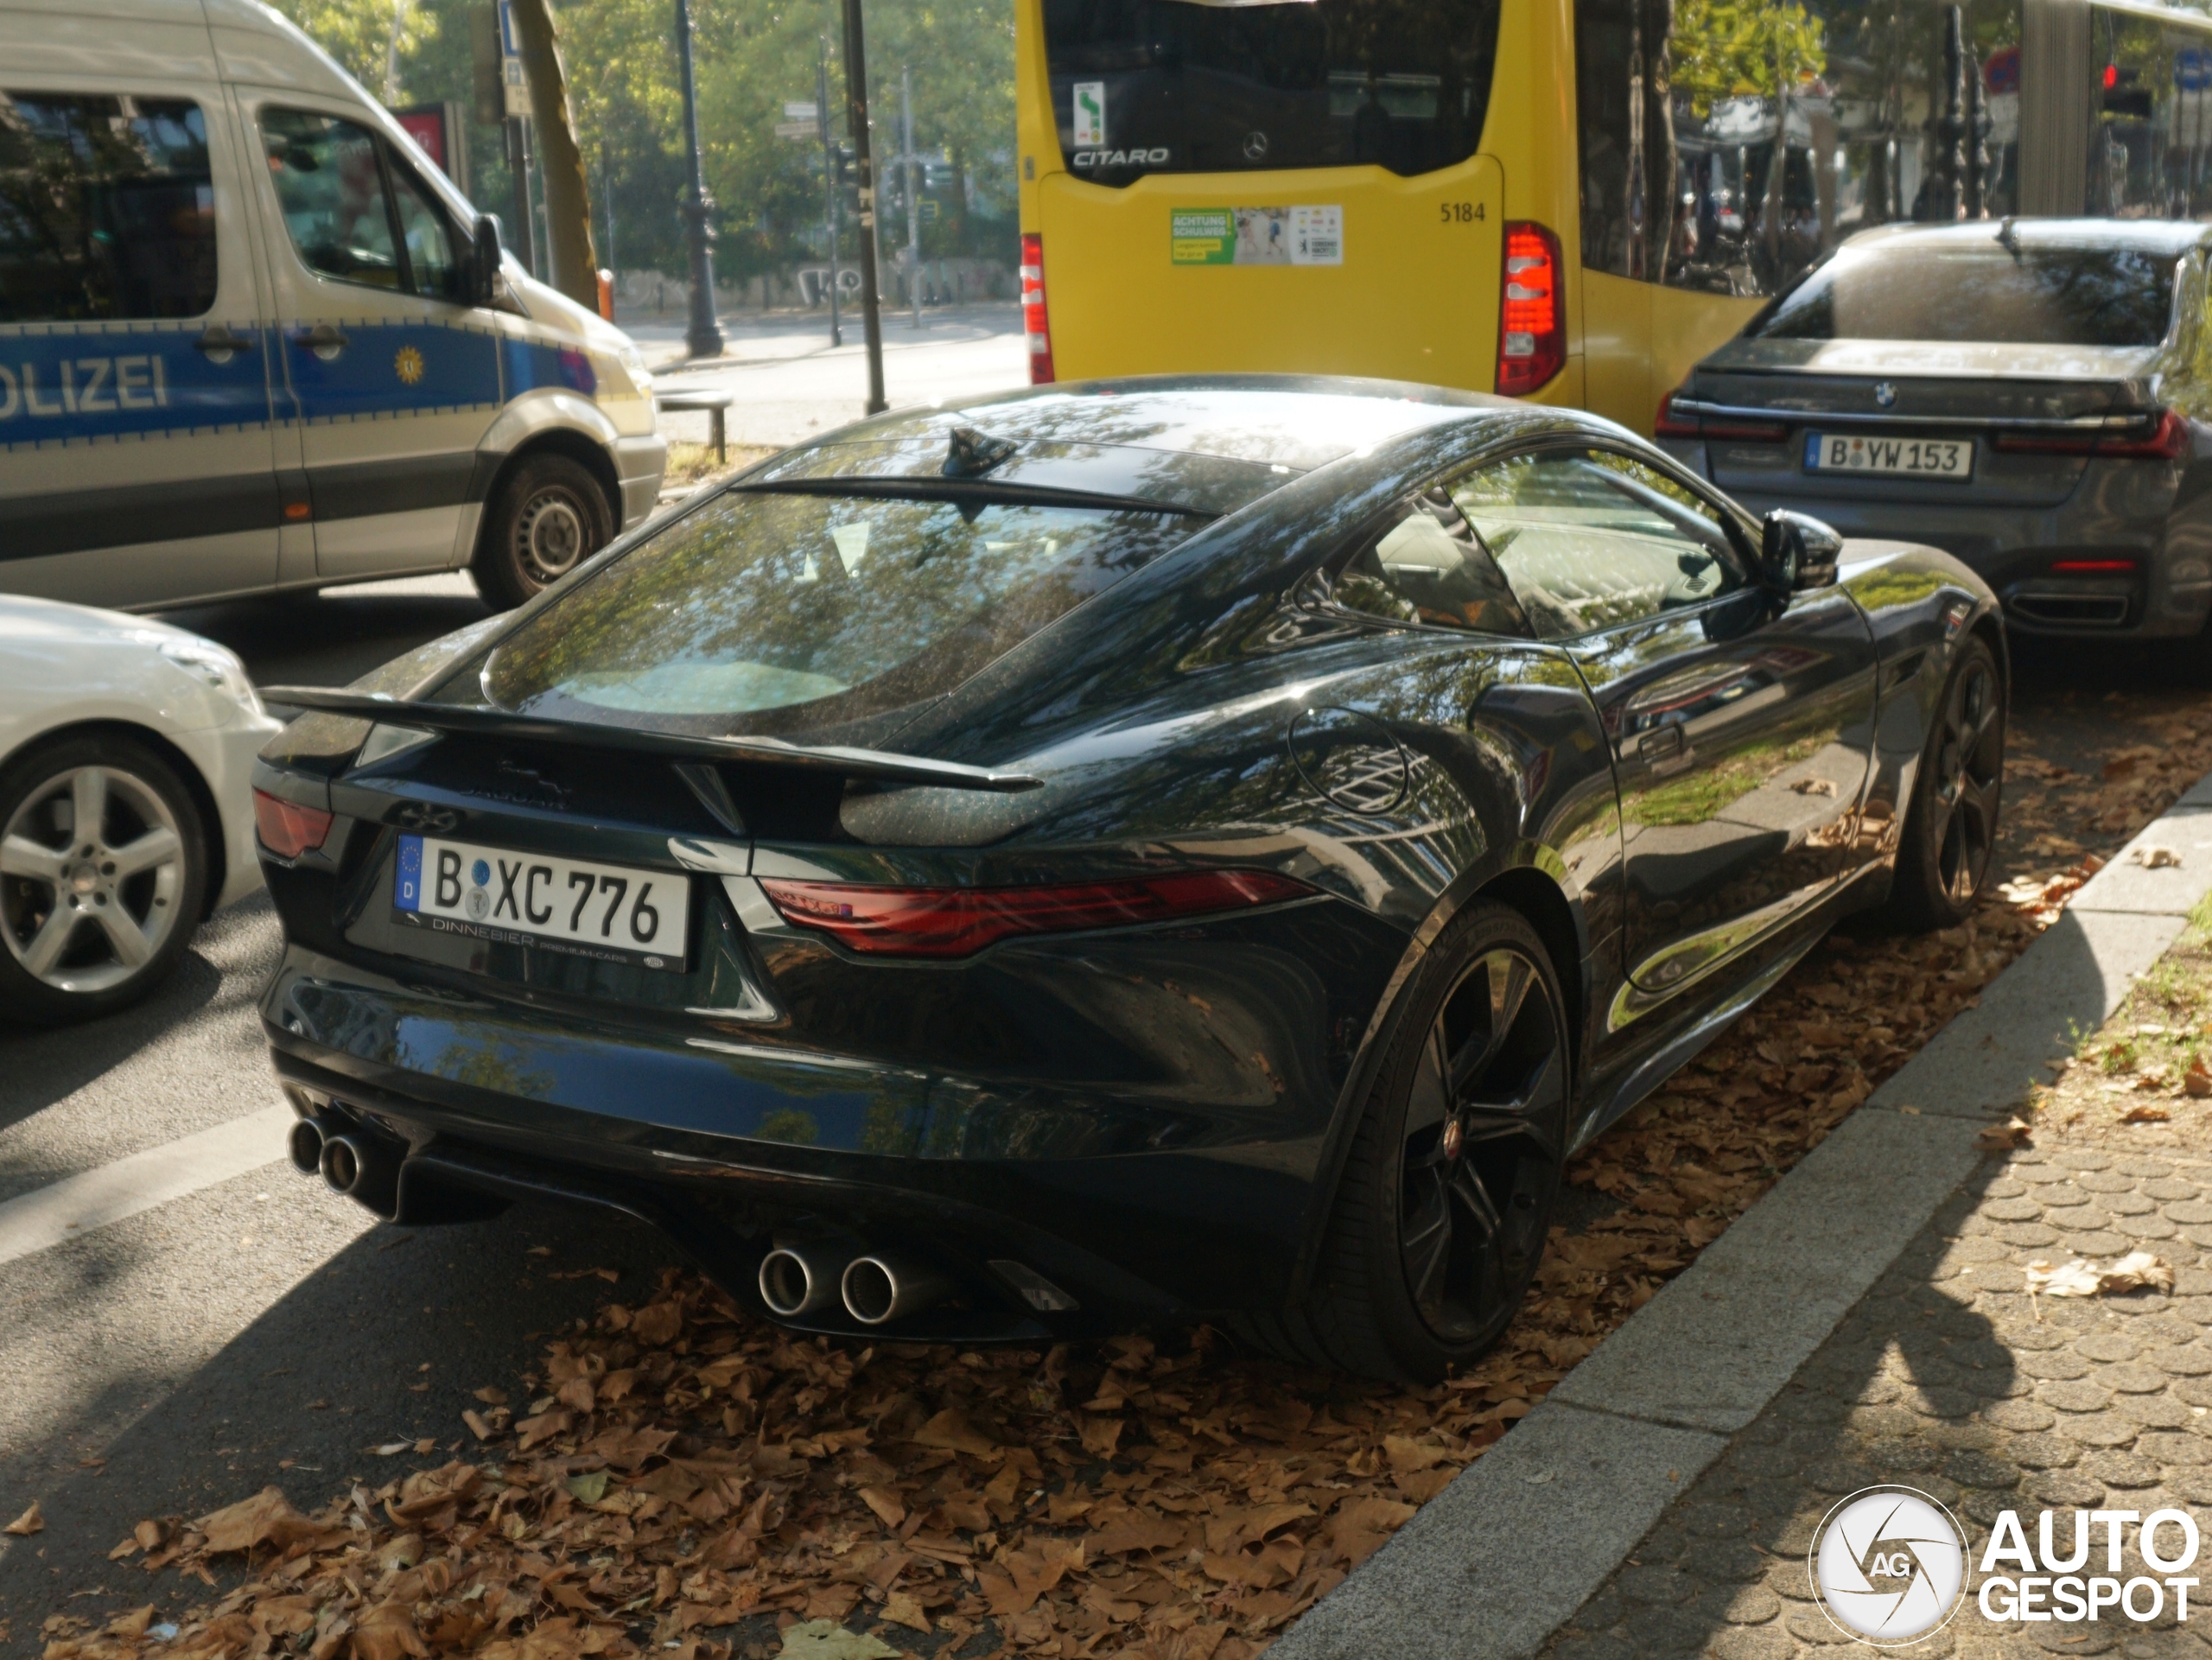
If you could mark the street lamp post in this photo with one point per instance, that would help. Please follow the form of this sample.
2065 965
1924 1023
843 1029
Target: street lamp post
856 122
704 337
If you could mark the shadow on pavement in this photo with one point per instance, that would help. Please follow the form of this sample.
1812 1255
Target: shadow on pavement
303 1395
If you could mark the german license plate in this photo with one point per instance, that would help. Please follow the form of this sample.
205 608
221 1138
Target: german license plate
571 906
1950 458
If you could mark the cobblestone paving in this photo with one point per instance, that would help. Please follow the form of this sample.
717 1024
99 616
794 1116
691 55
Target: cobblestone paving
1948 1379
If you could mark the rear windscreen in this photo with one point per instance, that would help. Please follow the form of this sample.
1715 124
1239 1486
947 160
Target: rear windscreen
1168 87
1981 292
765 612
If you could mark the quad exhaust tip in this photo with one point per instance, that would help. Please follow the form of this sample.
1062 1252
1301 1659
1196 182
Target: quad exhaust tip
880 1288
797 1278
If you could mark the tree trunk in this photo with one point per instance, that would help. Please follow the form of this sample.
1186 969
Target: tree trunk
574 271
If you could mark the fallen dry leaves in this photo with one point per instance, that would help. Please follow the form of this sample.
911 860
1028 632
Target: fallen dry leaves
2137 1271
678 1469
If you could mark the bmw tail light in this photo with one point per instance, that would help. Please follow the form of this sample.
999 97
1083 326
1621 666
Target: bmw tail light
956 921
1670 424
1680 417
2167 440
1531 314
287 829
1034 322
2164 436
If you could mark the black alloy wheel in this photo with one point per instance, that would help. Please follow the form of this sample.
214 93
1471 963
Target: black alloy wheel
1480 1154
548 519
1950 834
1446 1195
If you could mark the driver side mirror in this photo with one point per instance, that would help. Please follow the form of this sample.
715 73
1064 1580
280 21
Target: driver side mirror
1797 552
484 264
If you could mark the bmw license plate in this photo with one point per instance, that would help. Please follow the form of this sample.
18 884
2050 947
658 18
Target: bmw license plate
571 906
1949 460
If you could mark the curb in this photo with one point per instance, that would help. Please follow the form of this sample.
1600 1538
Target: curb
1503 1557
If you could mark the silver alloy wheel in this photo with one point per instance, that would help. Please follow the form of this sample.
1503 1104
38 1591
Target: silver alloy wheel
550 532
92 862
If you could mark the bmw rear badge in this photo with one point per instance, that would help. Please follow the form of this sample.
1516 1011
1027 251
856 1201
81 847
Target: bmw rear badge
1885 392
1255 146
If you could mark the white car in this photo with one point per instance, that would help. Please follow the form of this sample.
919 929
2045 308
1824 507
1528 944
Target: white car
126 811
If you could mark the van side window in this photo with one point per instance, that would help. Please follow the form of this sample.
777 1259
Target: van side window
352 213
107 208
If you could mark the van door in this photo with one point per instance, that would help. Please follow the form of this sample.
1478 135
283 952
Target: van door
393 377
136 467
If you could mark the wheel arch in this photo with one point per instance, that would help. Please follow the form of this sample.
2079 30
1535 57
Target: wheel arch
579 446
203 799
1528 881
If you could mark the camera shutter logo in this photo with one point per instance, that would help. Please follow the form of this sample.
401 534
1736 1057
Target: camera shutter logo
1889 1564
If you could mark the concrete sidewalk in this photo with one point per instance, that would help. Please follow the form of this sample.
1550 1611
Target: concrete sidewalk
1505 1556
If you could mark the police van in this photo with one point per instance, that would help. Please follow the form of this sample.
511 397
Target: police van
252 339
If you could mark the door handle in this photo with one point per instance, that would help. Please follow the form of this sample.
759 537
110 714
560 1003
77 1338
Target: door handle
221 345
326 341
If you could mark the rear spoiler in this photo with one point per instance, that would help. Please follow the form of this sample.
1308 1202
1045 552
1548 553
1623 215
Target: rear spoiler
480 721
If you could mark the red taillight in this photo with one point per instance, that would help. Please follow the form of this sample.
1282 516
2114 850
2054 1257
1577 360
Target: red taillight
2166 439
1034 322
2092 566
955 921
1671 425
1683 423
1531 316
288 829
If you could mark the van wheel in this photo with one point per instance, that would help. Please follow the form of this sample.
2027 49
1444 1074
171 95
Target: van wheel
1446 1197
103 876
548 519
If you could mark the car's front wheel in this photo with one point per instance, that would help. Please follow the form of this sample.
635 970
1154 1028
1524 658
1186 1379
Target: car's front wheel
103 876
1447 1195
547 519
1951 828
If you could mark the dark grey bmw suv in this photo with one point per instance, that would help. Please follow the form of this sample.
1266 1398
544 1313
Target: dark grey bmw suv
2033 396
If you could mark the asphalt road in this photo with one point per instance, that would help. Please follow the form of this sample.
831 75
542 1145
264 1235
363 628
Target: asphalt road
259 1329
792 383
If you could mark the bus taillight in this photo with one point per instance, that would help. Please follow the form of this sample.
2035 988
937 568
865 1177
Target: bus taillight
1531 322
1034 319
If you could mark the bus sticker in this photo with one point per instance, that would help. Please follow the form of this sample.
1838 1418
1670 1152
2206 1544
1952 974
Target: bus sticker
1090 113
1256 236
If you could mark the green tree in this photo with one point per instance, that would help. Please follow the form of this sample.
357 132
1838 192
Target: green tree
752 57
1743 48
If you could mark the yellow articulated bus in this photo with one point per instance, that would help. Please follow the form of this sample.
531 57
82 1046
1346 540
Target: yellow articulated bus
1571 200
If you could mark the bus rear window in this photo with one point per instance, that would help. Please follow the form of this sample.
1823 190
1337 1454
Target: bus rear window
1172 87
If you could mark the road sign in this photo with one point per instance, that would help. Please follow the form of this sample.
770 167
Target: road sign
798 130
516 77
803 110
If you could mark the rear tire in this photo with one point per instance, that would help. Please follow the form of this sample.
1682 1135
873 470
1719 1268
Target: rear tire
548 518
103 877
1447 1196
1951 828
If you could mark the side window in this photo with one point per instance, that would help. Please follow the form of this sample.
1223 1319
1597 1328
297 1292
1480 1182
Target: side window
1590 538
107 208
330 188
1429 567
353 213
428 237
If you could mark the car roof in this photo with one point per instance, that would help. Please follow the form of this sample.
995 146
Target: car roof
1207 443
2160 235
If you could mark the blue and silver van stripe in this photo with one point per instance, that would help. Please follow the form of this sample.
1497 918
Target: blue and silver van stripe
88 382
390 369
